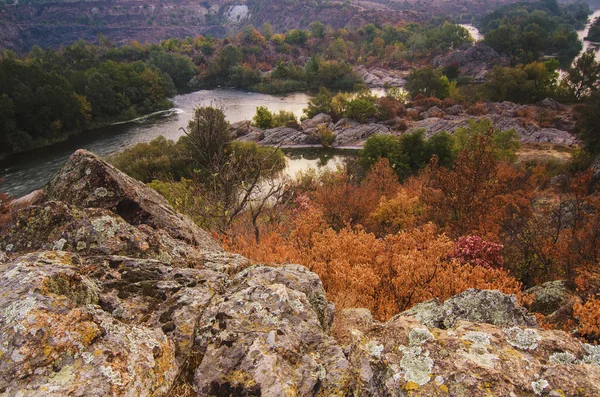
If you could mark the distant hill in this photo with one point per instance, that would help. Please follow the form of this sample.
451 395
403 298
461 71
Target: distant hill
47 23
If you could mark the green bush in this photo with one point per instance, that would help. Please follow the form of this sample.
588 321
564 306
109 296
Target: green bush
409 152
157 159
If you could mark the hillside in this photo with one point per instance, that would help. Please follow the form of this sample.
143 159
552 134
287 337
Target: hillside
111 292
54 23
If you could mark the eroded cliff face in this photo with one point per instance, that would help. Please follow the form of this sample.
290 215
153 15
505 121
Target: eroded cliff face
52 23
107 291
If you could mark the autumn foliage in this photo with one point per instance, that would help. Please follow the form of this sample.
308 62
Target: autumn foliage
372 246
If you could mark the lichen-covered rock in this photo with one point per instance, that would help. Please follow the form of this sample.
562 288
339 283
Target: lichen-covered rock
264 337
481 306
56 341
85 181
405 357
549 297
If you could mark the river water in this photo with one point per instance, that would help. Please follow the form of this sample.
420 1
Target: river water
583 33
26 172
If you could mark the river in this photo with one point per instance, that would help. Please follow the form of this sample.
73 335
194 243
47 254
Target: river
28 171
583 33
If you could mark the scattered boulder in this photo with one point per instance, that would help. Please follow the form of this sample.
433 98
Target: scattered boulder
455 110
551 104
550 298
242 128
474 61
433 111
319 119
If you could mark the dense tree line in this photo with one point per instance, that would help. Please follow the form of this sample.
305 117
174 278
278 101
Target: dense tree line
594 32
48 95
526 31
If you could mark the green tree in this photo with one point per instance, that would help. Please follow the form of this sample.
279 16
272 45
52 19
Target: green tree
508 84
428 82
205 141
317 29
178 67
157 159
320 103
505 143
583 77
361 107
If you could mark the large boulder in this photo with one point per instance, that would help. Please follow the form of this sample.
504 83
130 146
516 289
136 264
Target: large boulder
549 297
475 61
319 119
86 181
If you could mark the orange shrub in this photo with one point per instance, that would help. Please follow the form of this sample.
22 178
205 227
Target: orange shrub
386 275
589 318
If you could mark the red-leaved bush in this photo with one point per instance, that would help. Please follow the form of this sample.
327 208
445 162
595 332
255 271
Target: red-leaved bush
477 251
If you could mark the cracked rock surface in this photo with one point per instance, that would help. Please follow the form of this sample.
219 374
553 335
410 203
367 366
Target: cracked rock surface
107 291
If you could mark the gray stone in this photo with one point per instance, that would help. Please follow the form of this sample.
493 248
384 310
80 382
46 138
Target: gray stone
549 297
319 119
481 306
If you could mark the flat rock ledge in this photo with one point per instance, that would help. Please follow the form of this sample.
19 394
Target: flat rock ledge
346 132
107 291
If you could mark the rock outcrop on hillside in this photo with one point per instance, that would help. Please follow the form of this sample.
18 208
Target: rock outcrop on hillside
107 291
474 61
379 77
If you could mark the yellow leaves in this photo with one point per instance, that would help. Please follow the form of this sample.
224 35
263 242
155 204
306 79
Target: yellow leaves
395 214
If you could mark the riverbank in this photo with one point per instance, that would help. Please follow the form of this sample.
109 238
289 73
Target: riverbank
31 170
546 122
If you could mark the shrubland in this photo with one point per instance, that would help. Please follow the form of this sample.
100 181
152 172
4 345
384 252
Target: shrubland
410 219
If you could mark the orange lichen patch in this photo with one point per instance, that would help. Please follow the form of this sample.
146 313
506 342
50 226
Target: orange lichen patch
163 362
56 335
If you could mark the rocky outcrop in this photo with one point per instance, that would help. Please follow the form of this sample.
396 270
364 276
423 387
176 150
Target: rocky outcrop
557 122
379 78
346 132
491 307
475 61
98 301
504 116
